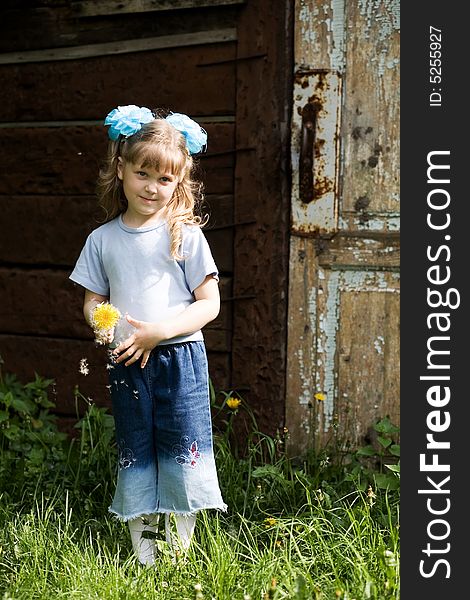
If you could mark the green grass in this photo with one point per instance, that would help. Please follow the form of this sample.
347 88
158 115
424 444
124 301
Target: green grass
323 545
49 552
314 530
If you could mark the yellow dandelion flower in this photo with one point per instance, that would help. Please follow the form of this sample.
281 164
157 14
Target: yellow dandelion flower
269 522
105 316
233 403
320 396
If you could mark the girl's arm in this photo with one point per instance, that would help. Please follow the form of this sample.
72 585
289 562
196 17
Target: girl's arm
89 302
194 317
199 313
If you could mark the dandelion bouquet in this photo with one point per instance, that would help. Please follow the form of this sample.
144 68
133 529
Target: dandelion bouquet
104 318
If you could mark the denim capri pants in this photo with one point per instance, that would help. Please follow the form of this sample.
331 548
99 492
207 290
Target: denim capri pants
164 434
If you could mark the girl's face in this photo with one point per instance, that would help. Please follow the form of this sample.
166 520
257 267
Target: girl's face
147 191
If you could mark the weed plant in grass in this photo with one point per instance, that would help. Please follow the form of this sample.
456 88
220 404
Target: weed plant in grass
317 530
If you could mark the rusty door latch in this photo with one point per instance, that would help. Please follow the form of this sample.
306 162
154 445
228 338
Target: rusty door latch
307 153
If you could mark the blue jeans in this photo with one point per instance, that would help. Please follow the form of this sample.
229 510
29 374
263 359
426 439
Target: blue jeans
164 434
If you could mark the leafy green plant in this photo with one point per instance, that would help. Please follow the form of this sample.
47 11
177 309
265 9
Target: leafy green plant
379 461
36 455
32 450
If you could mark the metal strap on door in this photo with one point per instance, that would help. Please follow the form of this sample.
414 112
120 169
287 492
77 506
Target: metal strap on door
315 152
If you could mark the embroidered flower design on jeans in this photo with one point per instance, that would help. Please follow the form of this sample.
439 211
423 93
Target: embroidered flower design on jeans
126 456
187 456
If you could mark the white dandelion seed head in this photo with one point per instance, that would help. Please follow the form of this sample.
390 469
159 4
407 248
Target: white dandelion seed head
83 367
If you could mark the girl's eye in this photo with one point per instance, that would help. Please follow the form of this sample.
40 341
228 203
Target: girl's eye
141 173
165 179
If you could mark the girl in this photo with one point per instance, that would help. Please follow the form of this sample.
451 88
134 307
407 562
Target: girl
153 263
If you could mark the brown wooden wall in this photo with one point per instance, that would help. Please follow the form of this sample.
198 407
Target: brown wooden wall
63 66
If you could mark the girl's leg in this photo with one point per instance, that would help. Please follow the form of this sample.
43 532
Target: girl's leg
144 548
184 531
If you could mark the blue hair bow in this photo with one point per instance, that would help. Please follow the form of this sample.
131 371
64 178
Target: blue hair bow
127 120
196 136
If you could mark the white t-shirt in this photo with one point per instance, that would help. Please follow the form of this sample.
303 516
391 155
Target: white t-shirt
134 268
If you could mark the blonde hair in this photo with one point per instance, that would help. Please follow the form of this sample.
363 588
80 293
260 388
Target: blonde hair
162 147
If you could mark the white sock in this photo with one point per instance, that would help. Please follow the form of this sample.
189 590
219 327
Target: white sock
144 548
185 525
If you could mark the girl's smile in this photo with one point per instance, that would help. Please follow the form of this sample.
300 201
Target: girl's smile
147 192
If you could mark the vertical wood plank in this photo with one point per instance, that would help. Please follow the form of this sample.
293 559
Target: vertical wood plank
319 34
371 125
261 249
301 406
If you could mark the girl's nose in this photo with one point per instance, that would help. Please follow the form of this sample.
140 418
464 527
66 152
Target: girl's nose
151 188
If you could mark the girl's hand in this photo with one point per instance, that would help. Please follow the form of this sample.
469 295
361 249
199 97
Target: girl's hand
140 343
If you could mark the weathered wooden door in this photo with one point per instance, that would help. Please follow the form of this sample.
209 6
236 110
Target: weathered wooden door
343 324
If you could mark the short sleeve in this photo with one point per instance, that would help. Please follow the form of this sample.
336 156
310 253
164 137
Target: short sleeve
198 260
89 271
